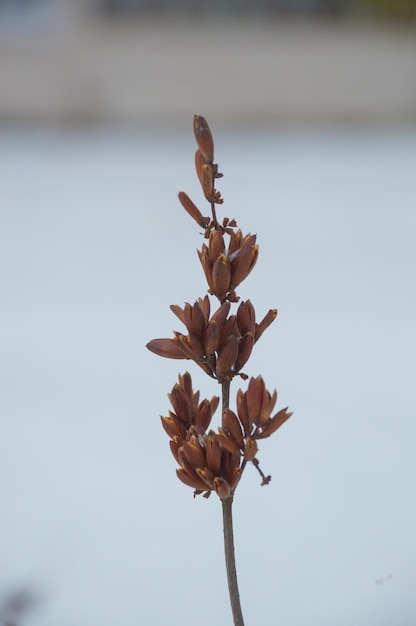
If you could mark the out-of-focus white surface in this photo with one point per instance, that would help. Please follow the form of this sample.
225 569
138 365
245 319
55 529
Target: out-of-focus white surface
94 247
247 70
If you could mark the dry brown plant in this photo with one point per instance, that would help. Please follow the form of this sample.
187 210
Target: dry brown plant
220 343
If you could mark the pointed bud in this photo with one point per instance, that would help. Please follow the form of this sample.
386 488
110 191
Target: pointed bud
249 240
181 404
226 358
195 320
216 245
206 265
246 318
192 209
254 396
205 412
211 339
267 406
221 275
185 381
242 411
204 138
231 423
245 347
236 238
265 322
205 307
243 263
213 453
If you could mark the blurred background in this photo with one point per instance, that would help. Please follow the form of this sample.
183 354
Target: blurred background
269 61
312 104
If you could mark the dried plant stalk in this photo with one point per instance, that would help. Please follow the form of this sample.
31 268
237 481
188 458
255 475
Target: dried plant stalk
220 343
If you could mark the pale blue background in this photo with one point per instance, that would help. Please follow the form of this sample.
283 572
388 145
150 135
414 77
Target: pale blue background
94 247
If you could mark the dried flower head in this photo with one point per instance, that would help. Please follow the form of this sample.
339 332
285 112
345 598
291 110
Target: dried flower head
221 344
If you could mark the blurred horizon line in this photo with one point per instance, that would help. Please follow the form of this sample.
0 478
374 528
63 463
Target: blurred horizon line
275 72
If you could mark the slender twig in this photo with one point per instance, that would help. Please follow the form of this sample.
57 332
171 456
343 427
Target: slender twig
227 517
225 393
214 213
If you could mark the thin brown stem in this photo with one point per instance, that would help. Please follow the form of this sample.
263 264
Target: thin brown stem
225 392
227 517
214 214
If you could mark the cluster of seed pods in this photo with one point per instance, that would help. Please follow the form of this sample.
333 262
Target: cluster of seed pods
221 344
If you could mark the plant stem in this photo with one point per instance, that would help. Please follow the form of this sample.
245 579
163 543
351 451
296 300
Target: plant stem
227 517
225 392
